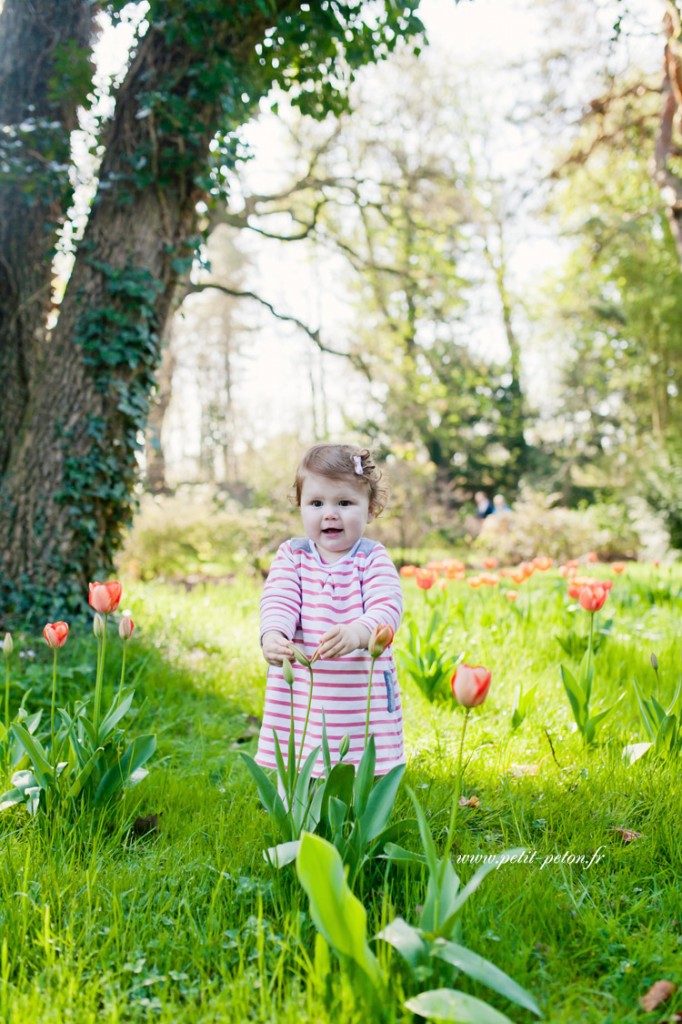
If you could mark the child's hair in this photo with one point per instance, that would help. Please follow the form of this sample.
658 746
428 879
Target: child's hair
343 460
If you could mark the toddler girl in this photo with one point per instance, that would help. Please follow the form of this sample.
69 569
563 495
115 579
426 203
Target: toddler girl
326 592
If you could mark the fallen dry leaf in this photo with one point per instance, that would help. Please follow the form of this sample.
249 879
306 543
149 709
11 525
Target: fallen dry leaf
627 834
471 801
657 994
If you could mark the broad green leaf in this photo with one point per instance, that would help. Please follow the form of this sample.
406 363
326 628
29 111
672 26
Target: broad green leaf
364 778
645 714
482 970
399 855
339 784
282 854
408 941
337 813
337 914
84 774
381 801
428 844
118 775
440 903
36 752
575 696
634 751
270 798
498 860
302 798
116 712
447 1004
11 798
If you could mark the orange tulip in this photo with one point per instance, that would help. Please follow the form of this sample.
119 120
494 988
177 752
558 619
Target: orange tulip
381 637
511 595
55 634
470 685
408 570
104 597
591 556
434 566
489 579
474 581
452 567
619 567
489 563
543 563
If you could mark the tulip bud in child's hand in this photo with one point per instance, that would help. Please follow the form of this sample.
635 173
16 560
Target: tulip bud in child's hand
288 672
380 638
8 645
470 685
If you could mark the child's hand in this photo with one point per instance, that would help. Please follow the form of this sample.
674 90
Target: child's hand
340 640
275 647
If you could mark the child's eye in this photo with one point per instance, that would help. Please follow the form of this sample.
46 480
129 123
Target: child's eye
345 502
316 503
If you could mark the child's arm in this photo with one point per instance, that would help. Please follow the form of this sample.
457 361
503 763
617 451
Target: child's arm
280 606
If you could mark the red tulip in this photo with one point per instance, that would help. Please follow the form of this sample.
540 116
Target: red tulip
104 597
380 638
126 627
593 598
425 578
470 685
55 634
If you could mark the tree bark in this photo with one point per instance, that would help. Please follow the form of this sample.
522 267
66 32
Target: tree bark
73 461
38 112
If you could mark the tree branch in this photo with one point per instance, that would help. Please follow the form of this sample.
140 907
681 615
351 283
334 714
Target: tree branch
313 333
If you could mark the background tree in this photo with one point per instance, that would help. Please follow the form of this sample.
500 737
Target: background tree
197 73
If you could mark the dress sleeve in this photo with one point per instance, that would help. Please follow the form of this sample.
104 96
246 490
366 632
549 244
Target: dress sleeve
381 591
280 606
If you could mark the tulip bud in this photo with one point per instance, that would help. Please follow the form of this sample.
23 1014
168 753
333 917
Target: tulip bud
654 661
300 656
470 685
288 672
98 625
343 747
381 637
126 627
8 644
55 634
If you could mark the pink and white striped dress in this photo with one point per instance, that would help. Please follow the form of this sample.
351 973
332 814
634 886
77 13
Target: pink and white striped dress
302 598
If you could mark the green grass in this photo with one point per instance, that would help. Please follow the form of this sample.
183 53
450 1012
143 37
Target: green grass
188 924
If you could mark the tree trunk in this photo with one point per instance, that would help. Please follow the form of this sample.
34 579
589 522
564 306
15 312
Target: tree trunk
38 110
72 466
670 182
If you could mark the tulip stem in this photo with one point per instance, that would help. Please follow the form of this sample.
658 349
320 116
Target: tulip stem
100 676
123 669
369 699
305 724
453 819
7 694
54 701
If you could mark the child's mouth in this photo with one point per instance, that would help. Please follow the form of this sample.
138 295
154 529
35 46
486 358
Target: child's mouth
331 531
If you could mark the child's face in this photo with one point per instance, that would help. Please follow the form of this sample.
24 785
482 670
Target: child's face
335 512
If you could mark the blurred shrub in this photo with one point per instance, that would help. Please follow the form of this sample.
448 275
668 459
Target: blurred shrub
534 528
192 533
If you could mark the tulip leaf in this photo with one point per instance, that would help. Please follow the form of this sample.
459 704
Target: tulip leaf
380 802
114 716
575 696
408 941
119 774
506 857
447 1004
36 752
338 915
399 855
364 778
270 798
428 844
480 969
